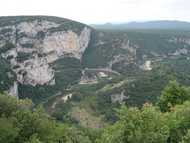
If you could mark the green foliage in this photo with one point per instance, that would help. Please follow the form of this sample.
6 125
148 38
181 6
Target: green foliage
5 70
149 85
155 44
86 96
8 132
23 56
71 135
179 122
68 73
169 122
173 94
10 105
147 125
186 138
6 47
31 123
21 123
33 139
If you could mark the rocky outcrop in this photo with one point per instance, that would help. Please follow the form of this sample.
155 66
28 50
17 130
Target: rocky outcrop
13 91
184 40
66 43
31 47
120 97
86 79
146 66
128 46
180 52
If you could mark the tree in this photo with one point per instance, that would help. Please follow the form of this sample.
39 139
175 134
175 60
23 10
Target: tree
146 125
35 122
179 122
33 139
172 95
186 138
8 132
69 134
10 105
21 123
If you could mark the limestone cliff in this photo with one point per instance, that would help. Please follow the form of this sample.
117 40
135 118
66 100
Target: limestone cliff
32 45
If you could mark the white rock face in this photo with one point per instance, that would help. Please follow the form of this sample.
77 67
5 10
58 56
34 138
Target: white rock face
147 66
180 52
84 39
13 91
118 97
66 97
32 28
102 74
116 59
67 43
130 47
12 53
10 35
36 69
38 72
185 40
85 79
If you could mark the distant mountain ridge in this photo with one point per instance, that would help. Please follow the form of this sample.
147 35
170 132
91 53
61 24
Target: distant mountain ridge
162 24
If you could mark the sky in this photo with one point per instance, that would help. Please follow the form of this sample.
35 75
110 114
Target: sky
100 11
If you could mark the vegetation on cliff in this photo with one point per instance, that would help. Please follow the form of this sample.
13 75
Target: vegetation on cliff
166 122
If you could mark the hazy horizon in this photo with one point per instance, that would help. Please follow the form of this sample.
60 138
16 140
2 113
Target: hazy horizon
138 21
101 11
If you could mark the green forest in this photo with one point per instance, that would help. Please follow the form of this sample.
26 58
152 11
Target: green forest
166 121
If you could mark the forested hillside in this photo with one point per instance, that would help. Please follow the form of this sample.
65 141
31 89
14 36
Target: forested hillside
165 122
64 81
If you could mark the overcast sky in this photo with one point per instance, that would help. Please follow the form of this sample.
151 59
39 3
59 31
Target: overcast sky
101 11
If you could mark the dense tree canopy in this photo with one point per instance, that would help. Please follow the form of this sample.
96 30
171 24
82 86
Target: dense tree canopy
149 124
173 94
169 122
146 125
20 122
